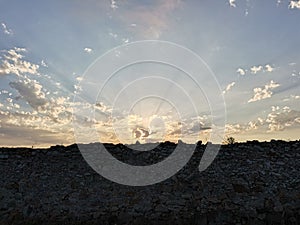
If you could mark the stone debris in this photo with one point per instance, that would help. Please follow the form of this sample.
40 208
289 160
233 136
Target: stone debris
248 183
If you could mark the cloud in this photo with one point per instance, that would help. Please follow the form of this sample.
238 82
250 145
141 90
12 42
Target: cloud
13 63
255 69
233 128
79 79
113 4
263 93
55 117
251 126
33 126
260 120
150 19
43 63
77 88
229 86
294 4
12 135
281 118
241 71
271 85
232 3
31 92
295 96
115 36
6 30
269 68
103 108
88 50
140 133
295 74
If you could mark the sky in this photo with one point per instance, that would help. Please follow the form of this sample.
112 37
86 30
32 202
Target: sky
55 58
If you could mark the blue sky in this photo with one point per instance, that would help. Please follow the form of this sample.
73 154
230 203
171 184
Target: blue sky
252 48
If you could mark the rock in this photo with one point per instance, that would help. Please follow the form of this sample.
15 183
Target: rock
161 209
240 188
27 211
278 208
3 156
261 216
114 209
248 183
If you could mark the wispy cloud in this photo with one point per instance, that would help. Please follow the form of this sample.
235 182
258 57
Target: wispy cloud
228 87
295 96
44 64
149 20
6 30
263 93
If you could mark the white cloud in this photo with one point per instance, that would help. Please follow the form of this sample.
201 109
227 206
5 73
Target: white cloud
41 112
275 108
241 71
263 93
279 2
294 4
232 3
103 108
77 88
233 128
113 4
88 50
271 85
6 30
255 69
295 96
269 68
229 86
295 74
13 63
260 120
280 118
43 63
79 79
125 40
251 126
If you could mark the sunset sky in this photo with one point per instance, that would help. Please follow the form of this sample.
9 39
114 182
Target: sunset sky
252 47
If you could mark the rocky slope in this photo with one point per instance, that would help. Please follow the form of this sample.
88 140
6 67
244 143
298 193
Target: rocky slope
248 183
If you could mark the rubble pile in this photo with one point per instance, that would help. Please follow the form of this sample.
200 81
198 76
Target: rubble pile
248 183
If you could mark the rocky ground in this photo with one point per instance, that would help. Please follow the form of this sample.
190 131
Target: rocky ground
248 183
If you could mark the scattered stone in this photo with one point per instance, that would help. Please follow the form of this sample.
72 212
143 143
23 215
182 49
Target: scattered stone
240 188
3 156
248 183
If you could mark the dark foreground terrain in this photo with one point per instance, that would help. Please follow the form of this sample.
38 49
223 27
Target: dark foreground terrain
248 183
